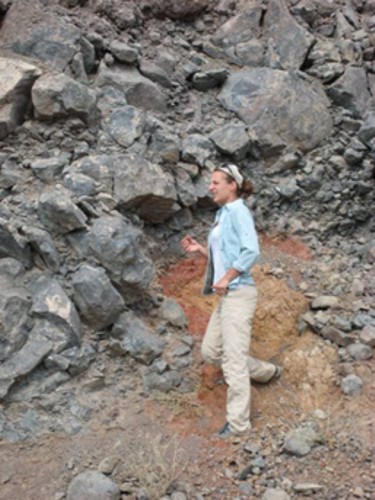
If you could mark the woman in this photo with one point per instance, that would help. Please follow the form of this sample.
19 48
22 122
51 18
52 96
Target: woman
232 251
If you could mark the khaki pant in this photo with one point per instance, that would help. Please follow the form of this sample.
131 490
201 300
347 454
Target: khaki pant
227 343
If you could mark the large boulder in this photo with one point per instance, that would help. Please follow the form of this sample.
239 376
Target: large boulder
96 298
33 29
139 91
130 335
279 102
288 42
144 188
16 79
57 96
13 244
351 91
117 245
58 212
93 485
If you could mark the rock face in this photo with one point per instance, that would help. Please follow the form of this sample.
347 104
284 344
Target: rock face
111 122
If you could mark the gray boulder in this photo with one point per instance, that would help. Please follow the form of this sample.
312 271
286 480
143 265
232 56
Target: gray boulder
97 166
42 243
57 96
117 245
30 355
279 102
125 125
48 169
124 52
197 148
57 211
209 79
232 140
138 90
240 28
95 297
288 42
93 485
50 302
130 335
351 91
144 188
33 30
16 79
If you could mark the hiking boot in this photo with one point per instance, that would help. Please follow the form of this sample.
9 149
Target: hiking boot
278 372
225 432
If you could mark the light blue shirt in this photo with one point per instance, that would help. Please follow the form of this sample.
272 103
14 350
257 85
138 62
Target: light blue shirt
238 244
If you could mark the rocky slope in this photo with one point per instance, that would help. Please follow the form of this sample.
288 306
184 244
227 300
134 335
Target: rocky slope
112 116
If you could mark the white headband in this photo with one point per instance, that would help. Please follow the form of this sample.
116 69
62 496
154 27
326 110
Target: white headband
233 171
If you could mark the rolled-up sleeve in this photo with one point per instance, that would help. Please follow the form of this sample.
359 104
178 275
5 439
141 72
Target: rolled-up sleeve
244 227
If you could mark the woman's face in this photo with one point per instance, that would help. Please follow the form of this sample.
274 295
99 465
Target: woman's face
222 190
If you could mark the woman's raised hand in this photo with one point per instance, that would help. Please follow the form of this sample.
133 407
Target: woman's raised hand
191 245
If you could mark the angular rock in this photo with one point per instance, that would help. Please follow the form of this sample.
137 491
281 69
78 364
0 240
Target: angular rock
50 302
279 102
16 79
12 244
209 79
14 308
93 485
124 52
117 245
155 73
367 130
338 337
132 336
288 42
153 200
48 169
232 140
351 91
30 355
80 185
11 270
240 28
42 243
164 382
138 90
173 313
97 166
197 148
59 96
125 125
185 188
57 211
96 298
33 30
